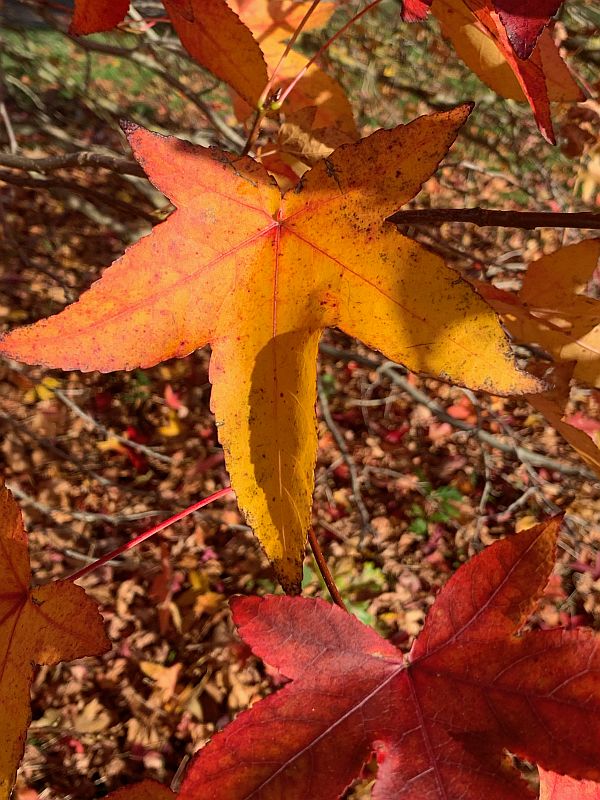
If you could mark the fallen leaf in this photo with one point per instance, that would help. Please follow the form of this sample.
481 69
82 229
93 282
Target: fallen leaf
260 276
43 625
439 720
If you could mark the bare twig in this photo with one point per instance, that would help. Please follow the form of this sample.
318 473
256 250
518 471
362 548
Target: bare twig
84 516
337 435
528 220
324 570
123 166
521 453
58 183
141 448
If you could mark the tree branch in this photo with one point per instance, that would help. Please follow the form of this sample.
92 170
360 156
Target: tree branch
528 220
123 166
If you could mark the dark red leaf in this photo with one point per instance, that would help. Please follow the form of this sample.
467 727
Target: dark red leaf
440 721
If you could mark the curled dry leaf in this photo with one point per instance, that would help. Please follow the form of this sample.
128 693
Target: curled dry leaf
260 276
44 625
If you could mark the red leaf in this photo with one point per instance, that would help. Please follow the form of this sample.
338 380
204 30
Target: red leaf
439 721
415 10
524 20
91 16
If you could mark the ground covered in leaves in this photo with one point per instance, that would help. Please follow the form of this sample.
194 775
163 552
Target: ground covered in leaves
402 498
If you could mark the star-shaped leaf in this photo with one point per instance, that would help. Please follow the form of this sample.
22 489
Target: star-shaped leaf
259 276
44 625
439 721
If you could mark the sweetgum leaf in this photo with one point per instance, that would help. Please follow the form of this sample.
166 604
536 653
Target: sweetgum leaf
210 31
524 21
259 276
44 625
482 43
439 720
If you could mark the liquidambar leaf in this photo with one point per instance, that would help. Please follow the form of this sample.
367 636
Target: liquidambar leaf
562 787
260 276
45 625
439 720
482 43
210 31
524 21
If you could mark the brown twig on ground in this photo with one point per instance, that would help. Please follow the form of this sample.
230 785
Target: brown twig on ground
339 439
528 220
83 516
29 181
141 448
324 570
521 453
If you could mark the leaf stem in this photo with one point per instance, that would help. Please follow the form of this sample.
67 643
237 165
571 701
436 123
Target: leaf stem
324 569
147 534
264 105
321 50
267 90
482 217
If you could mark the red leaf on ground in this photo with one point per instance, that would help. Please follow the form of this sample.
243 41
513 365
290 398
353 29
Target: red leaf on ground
438 721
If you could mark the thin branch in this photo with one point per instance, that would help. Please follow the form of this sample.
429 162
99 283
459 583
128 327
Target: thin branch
29 181
139 58
141 448
123 166
147 534
341 443
83 516
324 570
528 220
320 51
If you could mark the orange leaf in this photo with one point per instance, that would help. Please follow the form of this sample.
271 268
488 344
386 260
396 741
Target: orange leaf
217 39
260 276
210 30
272 22
44 625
